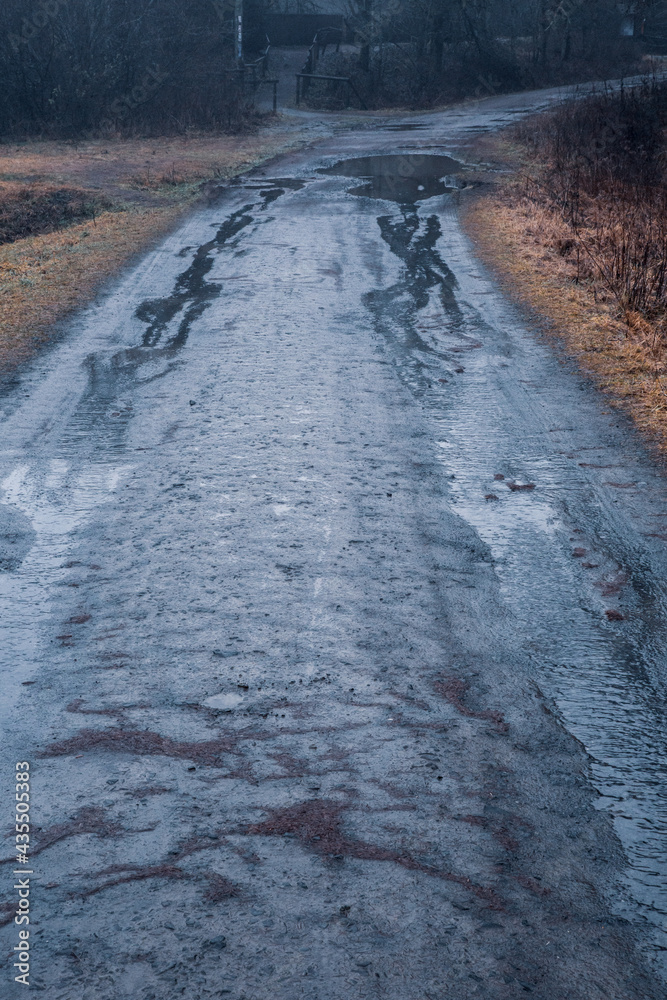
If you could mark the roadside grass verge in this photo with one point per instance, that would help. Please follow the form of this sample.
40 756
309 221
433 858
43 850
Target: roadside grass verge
577 231
73 215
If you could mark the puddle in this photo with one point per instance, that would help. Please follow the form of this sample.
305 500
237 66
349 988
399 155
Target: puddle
404 127
224 702
258 183
193 293
595 673
406 179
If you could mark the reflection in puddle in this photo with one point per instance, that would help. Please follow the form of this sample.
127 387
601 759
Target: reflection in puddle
406 179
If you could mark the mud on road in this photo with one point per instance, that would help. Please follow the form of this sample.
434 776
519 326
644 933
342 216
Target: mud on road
333 606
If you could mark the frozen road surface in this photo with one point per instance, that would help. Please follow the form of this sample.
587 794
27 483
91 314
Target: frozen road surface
333 611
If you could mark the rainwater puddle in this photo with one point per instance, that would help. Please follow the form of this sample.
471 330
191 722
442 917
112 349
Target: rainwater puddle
42 506
406 179
596 673
224 702
405 127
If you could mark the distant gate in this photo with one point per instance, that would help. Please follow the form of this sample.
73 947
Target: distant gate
300 29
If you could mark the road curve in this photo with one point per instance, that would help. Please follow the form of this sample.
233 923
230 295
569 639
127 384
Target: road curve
333 614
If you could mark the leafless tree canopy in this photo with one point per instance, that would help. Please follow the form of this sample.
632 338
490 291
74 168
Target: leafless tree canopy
71 66
77 65
423 51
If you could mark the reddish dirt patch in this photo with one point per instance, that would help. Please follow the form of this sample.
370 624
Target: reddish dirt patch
317 825
611 587
498 831
136 873
220 888
454 690
532 885
292 767
412 701
521 487
75 707
90 819
147 790
145 743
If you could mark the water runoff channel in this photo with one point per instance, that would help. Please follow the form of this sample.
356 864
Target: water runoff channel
602 688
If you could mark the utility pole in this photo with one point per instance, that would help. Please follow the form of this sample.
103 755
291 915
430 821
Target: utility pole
238 30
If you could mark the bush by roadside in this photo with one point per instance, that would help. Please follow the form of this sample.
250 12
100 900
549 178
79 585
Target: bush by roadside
579 230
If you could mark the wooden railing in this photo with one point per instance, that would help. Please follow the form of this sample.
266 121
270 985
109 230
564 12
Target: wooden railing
322 40
253 74
303 81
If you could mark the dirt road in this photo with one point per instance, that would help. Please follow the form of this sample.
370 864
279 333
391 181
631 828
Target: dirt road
333 610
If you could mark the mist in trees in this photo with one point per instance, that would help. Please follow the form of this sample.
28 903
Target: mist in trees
71 66
425 51
94 66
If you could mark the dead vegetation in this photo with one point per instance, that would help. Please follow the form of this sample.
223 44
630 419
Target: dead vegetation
216 887
600 164
134 873
30 210
580 234
220 888
73 214
88 820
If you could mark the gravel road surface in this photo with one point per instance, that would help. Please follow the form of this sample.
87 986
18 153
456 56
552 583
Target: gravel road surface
333 605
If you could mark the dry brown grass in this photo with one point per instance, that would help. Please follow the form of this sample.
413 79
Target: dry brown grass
149 183
529 248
